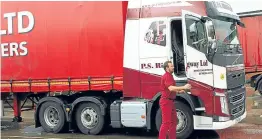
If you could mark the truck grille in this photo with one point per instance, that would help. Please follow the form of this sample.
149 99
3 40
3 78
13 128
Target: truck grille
236 98
238 110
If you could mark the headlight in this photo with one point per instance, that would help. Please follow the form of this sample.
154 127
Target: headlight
224 105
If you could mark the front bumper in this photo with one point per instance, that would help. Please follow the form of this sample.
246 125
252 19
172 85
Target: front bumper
206 123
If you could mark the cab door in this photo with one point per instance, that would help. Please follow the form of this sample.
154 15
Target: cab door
198 68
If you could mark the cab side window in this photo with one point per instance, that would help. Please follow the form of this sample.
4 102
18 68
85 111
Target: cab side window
196 36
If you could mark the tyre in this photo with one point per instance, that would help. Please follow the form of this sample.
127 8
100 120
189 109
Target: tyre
184 120
89 119
259 87
52 117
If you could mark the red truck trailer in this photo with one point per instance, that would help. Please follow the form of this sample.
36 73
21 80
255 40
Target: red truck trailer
105 59
251 41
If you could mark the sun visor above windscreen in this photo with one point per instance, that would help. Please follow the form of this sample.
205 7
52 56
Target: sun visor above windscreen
220 10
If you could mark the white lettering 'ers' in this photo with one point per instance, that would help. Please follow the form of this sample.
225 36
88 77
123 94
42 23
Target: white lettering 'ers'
13 49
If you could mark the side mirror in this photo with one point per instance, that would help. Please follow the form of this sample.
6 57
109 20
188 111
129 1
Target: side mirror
212 47
212 43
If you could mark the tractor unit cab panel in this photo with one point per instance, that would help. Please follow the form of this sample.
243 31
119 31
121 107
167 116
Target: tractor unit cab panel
159 25
191 39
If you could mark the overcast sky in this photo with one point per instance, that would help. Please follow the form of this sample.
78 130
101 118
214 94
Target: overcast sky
245 5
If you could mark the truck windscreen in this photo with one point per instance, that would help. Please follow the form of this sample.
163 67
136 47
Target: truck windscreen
226 32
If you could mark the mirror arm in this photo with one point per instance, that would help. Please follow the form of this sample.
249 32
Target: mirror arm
203 19
241 24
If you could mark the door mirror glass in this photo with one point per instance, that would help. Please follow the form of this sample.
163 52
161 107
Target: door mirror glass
212 47
210 29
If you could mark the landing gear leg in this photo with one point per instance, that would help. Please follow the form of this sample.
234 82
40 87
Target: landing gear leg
17 108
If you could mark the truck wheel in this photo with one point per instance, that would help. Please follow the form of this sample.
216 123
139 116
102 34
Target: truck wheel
89 119
184 120
52 117
259 87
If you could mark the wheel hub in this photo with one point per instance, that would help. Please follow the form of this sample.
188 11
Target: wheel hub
51 116
89 117
181 121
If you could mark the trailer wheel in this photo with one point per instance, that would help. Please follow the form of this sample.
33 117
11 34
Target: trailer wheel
184 120
52 117
89 119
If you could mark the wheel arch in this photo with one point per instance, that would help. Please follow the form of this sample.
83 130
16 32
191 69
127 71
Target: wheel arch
191 101
94 99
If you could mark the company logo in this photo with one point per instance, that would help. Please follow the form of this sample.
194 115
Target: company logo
151 66
223 5
222 76
25 24
200 71
156 33
197 64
